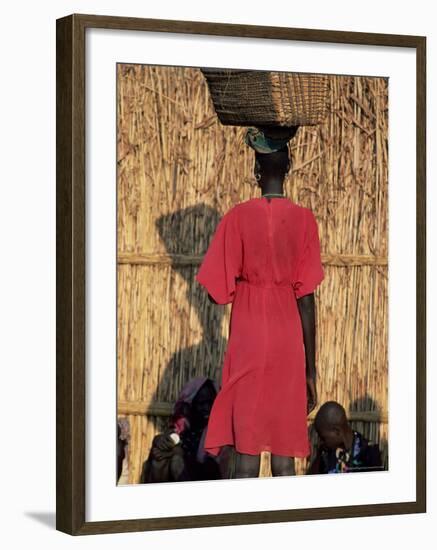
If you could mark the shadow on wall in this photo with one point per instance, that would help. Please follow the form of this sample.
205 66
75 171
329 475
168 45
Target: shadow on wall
376 432
189 231
186 232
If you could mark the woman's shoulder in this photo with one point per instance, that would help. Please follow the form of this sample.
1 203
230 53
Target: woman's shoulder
306 210
255 203
238 208
307 215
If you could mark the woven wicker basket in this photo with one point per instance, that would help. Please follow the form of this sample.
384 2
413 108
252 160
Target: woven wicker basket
246 97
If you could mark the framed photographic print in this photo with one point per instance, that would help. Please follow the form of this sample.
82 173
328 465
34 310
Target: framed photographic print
241 275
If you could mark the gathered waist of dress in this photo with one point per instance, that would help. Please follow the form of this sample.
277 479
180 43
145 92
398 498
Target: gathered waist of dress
270 284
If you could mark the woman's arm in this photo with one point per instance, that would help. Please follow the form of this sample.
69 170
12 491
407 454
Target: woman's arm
306 305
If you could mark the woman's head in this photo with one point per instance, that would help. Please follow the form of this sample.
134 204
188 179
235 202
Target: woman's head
272 166
194 403
272 160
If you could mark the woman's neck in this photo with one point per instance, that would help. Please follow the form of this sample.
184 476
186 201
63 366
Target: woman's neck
272 189
272 185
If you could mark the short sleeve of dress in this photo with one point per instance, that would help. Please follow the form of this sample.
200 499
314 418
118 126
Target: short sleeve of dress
222 262
309 272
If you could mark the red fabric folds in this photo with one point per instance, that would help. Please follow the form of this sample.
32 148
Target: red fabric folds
223 260
309 273
262 257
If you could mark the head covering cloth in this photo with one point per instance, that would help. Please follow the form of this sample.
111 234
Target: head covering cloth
261 143
182 411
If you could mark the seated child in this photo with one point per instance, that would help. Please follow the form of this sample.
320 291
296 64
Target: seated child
341 449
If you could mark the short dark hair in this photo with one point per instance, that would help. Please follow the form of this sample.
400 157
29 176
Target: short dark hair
331 414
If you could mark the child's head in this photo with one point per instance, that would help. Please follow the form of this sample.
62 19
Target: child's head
331 424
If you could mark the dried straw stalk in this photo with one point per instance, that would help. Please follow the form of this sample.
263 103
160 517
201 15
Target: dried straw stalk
179 170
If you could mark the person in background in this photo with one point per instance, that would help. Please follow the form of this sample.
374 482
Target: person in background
341 448
123 433
178 454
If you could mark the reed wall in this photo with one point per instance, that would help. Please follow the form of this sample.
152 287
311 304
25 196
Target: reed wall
179 171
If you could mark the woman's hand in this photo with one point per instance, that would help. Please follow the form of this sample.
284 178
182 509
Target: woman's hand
163 446
311 394
163 442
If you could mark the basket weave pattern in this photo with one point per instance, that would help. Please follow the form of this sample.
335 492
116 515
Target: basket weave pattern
299 99
245 97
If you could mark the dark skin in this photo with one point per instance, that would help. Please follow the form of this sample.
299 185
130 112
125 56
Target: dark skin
163 447
333 427
270 171
201 407
336 436
307 311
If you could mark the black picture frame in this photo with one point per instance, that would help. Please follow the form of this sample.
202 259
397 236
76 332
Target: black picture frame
70 272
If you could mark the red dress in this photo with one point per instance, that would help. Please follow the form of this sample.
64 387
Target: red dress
272 247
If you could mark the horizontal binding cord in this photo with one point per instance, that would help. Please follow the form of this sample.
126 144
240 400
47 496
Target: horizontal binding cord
160 408
152 258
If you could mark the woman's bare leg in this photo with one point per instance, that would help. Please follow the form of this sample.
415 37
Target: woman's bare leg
247 465
282 465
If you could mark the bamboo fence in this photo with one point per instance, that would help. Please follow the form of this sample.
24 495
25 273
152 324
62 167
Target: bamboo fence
179 170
